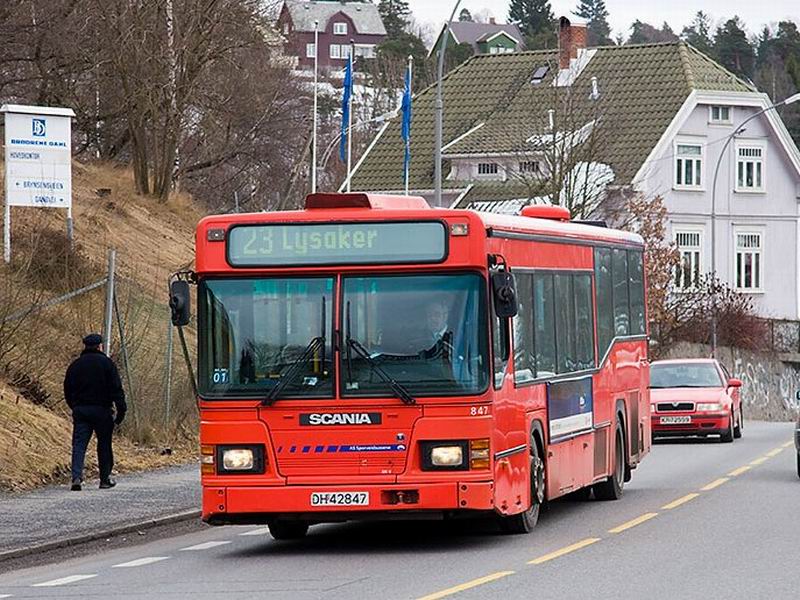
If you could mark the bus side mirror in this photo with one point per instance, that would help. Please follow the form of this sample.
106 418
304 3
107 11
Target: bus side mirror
180 303
505 294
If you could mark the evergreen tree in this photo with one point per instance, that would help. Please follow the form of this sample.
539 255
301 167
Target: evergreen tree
644 33
733 49
596 16
395 16
698 33
465 16
535 19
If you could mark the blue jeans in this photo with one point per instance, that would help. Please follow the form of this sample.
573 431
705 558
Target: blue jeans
85 421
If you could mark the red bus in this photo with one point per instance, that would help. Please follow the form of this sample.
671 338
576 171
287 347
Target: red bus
372 357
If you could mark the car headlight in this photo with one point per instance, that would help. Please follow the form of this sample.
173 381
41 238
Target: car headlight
710 407
238 459
445 455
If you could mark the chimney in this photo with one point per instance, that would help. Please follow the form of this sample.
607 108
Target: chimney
571 39
492 21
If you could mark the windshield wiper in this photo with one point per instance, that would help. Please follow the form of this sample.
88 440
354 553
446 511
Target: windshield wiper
316 344
399 390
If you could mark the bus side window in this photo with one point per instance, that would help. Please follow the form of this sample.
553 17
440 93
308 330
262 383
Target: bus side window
500 350
544 313
605 302
636 275
565 324
622 311
524 367
584 321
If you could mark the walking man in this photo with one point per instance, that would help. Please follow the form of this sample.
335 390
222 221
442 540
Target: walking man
91 386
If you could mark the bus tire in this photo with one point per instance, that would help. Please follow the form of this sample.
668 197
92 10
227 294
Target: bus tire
287 530
524 522
612 487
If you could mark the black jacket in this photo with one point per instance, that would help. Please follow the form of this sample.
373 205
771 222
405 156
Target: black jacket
93 380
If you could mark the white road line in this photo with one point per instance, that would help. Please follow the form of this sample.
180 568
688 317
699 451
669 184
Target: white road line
204 546
260 531
5 595
64 580
140 562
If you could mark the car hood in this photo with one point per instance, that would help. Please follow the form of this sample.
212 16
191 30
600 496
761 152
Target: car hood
714 394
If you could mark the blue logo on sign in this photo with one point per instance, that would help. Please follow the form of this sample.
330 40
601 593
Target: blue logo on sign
39 127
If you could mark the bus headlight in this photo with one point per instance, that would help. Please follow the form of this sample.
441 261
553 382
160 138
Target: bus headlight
244 459
238 459
445 456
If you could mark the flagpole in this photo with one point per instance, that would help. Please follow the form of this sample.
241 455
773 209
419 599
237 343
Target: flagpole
350 119
316 107
408 140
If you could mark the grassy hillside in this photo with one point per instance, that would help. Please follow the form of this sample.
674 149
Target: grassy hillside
152 240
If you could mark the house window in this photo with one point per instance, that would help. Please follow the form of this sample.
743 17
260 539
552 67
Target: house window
488 169
720 115
340 29
749 168
311 50
365 50
340 51
286 29
530 167
688 166
749 260
687 275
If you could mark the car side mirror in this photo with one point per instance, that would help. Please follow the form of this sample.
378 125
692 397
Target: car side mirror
505 294
180 303
734 383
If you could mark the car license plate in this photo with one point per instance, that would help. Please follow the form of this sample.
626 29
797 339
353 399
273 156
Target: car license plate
682 420
339 498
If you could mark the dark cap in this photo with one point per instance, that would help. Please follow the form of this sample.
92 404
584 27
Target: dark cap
93 339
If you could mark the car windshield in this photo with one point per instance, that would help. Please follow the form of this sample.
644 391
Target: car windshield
426 332
684 375
255 332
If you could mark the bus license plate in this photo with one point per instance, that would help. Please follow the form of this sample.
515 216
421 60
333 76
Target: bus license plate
339 498
682 420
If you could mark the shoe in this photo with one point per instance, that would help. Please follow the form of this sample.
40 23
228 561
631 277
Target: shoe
76 485
107 484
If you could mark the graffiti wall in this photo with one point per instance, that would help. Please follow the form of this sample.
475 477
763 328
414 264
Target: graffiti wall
770 386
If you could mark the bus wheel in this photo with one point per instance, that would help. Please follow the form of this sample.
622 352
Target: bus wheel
611 488
524 522
287 530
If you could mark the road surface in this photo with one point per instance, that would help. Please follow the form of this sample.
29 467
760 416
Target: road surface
700 519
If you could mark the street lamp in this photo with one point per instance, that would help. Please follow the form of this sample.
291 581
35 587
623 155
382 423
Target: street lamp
437 175
737 131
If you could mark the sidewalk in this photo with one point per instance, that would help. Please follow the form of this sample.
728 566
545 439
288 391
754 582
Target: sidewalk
55 515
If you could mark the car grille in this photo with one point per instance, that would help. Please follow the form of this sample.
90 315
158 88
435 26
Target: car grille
675 406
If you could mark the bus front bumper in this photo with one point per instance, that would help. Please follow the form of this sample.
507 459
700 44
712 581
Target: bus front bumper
255 505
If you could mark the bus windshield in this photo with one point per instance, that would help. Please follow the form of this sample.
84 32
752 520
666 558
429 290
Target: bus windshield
256 332
428 333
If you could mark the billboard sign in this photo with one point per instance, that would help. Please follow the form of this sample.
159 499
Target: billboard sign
38 153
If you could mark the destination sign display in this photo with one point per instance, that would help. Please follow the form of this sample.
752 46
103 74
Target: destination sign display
301 244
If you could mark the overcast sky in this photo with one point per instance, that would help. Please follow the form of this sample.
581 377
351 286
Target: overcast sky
622 13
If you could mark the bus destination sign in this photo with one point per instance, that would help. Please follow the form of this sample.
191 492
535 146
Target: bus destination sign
301 244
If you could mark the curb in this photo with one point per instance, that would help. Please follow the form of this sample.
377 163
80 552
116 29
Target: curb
97 535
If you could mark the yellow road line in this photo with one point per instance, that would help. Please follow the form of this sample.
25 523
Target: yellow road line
788 444
775 452
563 551
468 585
739 471
679 501
714 484
758 461
633 523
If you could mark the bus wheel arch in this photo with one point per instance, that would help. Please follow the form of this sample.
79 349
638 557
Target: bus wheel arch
611 488
622 419
525 521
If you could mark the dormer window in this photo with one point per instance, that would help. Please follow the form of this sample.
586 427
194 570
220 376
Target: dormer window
488 170
340 29
720 115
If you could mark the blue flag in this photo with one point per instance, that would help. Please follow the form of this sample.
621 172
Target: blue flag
348 91
406 131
